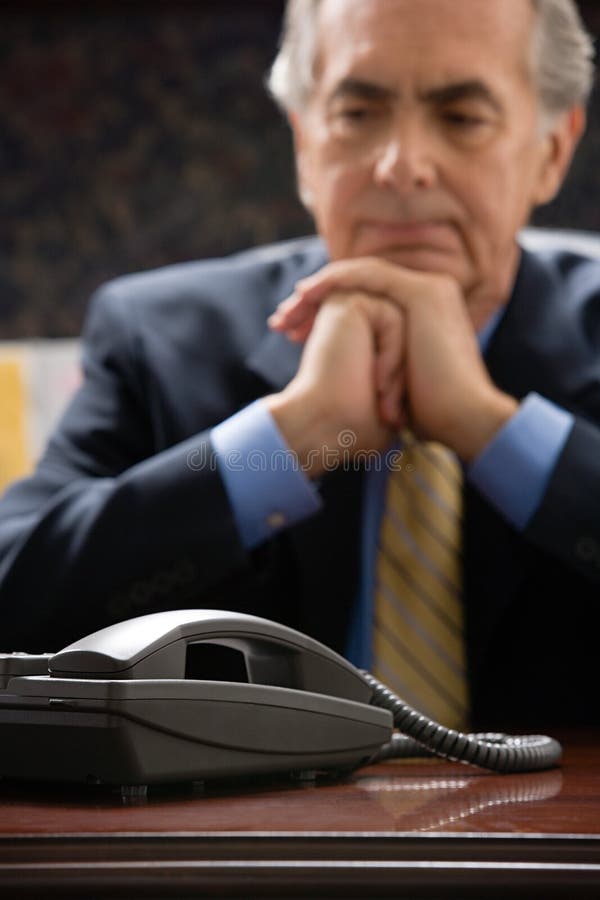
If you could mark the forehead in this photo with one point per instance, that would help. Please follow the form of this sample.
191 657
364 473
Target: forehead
396 41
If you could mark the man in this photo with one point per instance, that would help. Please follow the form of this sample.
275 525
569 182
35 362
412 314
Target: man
425 133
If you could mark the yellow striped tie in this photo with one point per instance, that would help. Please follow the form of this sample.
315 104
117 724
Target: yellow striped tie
418 640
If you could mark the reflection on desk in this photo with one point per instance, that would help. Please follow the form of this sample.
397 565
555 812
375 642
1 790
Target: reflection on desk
441 803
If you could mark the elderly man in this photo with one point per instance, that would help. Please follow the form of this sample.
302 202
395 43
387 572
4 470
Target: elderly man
425 133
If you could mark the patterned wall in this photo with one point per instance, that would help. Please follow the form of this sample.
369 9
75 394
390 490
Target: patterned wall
137 134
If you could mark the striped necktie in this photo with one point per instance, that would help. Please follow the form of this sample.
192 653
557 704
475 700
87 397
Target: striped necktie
418 638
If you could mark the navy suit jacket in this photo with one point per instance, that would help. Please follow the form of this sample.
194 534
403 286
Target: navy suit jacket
126 513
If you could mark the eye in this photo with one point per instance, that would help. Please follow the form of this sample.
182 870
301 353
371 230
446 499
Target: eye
354 113
464 120
356 120
467 127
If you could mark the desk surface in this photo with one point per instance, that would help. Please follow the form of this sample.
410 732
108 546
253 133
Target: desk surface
403 829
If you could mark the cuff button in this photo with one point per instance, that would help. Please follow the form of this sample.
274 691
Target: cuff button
276 520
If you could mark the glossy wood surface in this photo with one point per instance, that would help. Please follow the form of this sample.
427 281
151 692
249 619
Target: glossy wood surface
416 826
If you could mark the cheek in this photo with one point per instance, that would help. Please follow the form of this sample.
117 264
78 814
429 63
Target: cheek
496 194
336 205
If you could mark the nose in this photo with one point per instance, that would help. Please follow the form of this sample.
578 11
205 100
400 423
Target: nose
404 161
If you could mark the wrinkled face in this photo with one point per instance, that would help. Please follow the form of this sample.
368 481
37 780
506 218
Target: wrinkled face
421 142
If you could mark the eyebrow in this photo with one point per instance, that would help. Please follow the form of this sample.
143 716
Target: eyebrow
463 90
366 90
472 89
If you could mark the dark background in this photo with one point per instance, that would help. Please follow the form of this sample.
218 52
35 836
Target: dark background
133 135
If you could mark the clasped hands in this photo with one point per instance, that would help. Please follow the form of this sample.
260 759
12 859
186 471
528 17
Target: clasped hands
386 348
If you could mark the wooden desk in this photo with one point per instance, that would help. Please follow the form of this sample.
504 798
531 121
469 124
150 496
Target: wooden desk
408 829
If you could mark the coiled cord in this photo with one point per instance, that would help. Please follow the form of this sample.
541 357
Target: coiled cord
422 736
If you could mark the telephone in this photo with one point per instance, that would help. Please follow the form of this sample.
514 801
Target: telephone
188 695
135 703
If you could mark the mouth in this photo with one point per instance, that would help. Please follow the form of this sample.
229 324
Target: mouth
433 234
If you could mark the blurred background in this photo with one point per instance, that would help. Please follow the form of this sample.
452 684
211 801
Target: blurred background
138 134
133 134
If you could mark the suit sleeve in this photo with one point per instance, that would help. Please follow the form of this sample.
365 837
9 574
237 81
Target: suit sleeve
547 343
107 527
544 480
567 521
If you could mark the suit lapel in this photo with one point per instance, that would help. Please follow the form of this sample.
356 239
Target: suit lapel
275 359
520 357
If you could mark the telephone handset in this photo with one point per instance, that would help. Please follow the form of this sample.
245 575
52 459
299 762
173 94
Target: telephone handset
158 645
199 694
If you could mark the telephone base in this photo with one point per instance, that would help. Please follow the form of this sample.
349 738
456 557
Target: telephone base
146 732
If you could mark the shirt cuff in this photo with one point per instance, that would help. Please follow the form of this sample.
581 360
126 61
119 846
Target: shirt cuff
264 481
514 469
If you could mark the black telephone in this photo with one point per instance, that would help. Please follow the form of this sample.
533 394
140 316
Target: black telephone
194 694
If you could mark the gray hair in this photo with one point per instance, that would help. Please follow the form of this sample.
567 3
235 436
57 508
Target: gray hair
563 54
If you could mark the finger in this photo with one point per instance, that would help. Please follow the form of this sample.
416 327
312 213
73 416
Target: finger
390 396
283 305
388 361
296 333
299 334
312 291
391 402
302 305
297 321
295 310
388 325
369 275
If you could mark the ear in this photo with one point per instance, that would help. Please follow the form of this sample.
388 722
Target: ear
558 146
302 159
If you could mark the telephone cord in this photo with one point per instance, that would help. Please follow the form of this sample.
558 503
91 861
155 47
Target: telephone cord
422 736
